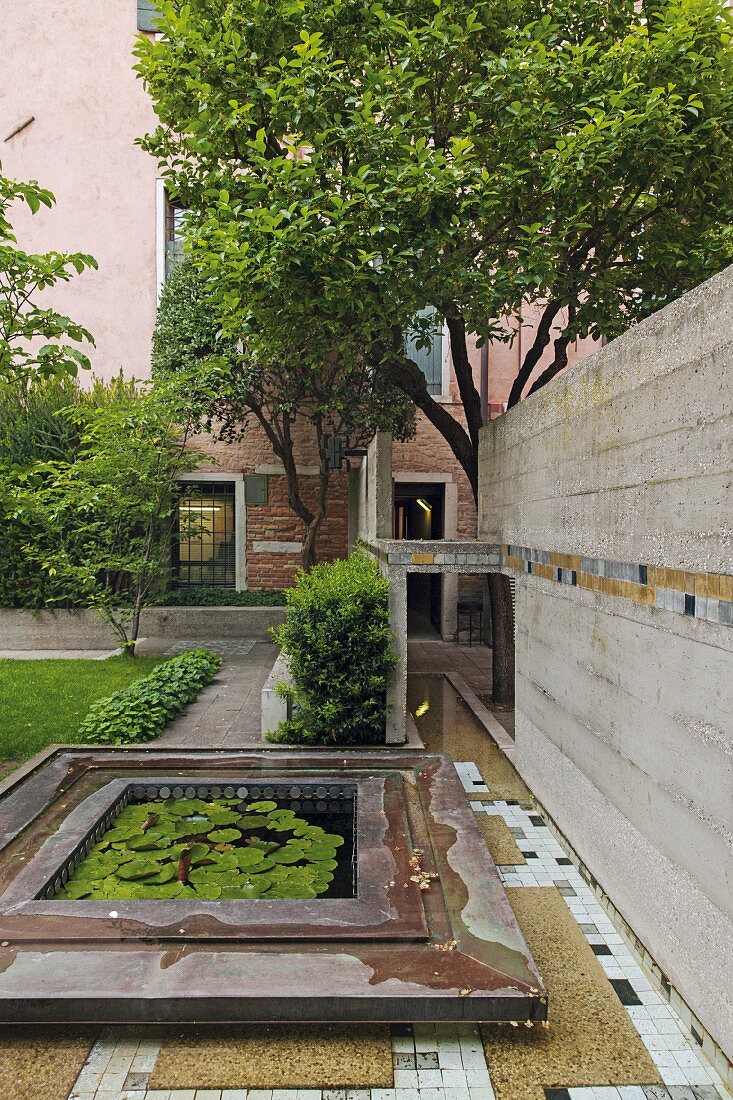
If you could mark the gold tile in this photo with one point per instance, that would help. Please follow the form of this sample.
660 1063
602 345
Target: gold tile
655 576
725 585
423 559
712 586
690 580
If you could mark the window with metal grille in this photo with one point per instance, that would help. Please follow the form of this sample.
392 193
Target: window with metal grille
204 550
174 216
429 359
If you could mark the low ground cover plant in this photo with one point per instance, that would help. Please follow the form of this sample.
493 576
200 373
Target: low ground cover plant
221 597
142 710
338 643
190 848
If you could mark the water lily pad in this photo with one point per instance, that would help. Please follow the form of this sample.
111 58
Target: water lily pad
290 890
138 868
251 821
224 817
286 854
75 890
224 836
319 850
208 890
167 873
261 807
249 857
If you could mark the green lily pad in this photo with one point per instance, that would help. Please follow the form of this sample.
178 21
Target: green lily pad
286 855
321 851
224 836
249 857
76 890
251 821
138 868
261 807
224 817
208 890
291 890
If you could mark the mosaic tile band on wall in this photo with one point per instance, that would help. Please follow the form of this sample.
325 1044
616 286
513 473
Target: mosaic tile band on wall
706 596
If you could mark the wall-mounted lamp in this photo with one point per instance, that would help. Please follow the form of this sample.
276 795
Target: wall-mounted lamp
424 505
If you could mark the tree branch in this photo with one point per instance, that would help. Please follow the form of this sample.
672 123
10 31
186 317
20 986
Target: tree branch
533 356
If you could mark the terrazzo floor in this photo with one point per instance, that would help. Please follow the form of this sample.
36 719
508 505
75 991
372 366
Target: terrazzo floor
447 1061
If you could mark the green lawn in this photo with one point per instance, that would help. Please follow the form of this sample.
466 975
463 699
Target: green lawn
42 702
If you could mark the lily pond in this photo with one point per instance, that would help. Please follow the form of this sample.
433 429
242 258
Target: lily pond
220 849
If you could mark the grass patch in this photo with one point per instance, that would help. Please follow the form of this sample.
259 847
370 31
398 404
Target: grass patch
44 702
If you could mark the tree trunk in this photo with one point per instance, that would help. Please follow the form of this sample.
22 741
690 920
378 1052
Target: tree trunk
502 642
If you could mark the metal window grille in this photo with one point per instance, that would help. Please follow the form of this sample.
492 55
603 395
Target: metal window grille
204 550
174 215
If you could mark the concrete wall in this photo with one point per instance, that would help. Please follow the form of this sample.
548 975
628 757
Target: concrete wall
86 630
611 492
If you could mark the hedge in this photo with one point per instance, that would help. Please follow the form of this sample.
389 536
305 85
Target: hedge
141 711
338 643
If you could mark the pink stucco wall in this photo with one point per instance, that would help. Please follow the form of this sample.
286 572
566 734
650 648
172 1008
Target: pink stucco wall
70 65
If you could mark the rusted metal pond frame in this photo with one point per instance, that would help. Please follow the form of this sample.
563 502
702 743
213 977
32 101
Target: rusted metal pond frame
384 840
187 973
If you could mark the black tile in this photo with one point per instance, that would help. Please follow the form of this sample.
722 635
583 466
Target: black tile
689 604
529 566
574 578
567 891
601 949
530 855
537 821
401 1030
643 575
557 1094
512 802
625 991
563 861
696 1036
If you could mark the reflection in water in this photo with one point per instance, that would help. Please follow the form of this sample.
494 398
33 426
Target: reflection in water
447 725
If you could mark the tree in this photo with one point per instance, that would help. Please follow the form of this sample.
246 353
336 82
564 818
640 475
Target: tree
342 396
351 164
106 519
23 275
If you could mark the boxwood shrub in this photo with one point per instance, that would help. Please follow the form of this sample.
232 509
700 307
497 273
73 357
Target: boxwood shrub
339 647
140 711
221 597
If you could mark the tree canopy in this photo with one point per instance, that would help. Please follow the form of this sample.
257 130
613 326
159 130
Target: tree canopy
34 338
348 164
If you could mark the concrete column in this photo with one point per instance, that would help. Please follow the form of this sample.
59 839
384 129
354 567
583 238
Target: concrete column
397 690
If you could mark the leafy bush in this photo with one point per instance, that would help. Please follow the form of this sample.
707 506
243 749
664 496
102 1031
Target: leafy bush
140 712
221 597
338 643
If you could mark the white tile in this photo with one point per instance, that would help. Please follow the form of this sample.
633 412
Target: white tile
378 1094
184 1094
582 1094
432 1094
632 1092
605 1093
450 1059
429 1079
486 1093
258 1094
685 1058
306 1094
478 1078
407 1094
454 1079
228 1094
158 1094
403 1044
284 1094
672 1075
403 1079
115 1082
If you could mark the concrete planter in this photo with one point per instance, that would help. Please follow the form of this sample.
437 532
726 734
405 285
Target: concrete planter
275 709
86 630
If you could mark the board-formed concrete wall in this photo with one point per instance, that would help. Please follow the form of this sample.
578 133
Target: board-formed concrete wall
610 491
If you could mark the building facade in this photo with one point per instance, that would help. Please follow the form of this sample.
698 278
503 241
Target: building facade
71 109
